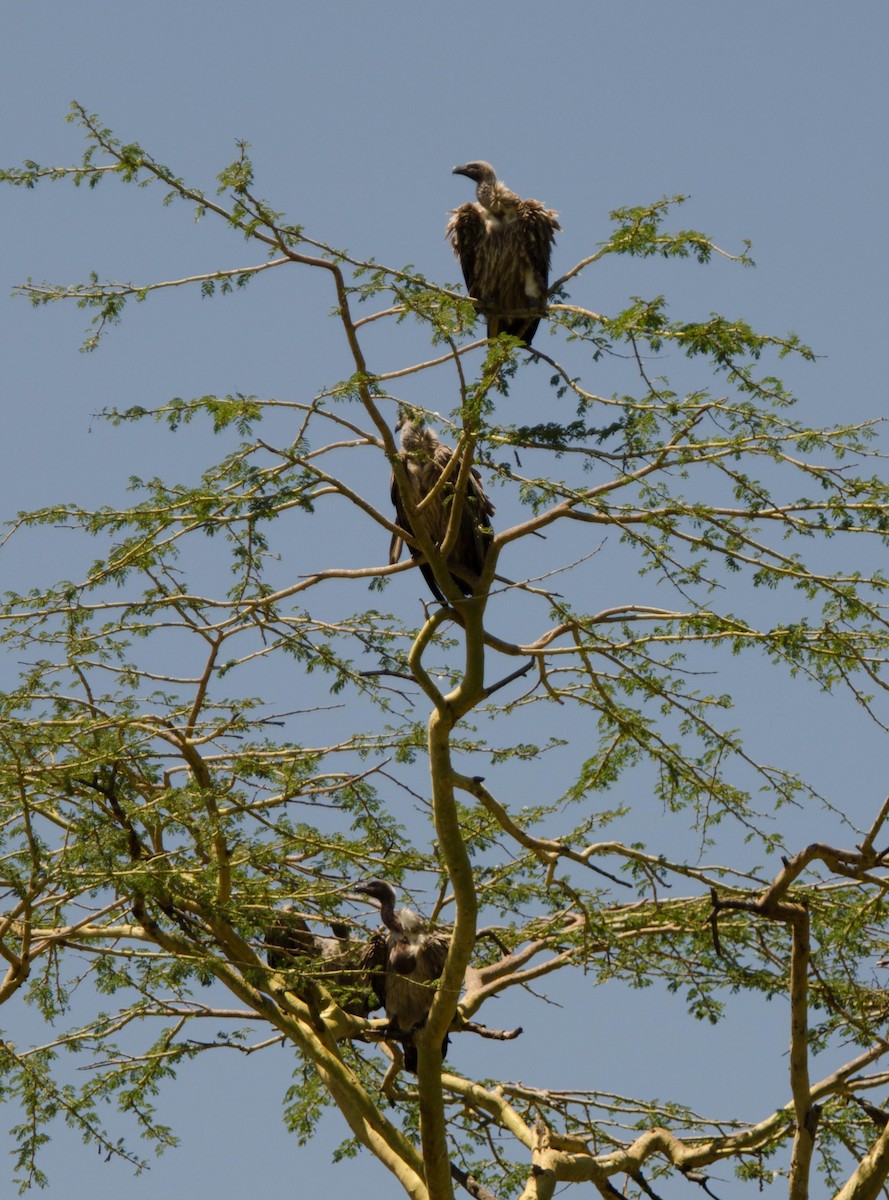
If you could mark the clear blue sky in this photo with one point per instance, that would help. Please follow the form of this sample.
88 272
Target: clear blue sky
772 116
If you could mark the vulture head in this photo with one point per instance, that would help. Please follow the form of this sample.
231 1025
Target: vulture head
416 438
379 890
404 418
404 921
384 894
478 172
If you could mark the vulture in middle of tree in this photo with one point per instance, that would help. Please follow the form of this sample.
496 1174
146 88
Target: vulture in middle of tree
403 962
425 459
504 245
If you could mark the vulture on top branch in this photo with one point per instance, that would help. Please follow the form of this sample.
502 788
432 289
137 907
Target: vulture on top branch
425 460
403 961
504 246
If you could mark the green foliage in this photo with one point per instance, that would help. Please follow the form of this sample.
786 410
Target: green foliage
210 720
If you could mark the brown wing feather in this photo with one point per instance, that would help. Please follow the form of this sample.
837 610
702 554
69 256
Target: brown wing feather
372 963
467 557
349 971
475 534
466 229
530 252
288 939
497 261
539 228
402 519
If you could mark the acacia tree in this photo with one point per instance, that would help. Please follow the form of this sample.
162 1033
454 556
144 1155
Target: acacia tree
158 806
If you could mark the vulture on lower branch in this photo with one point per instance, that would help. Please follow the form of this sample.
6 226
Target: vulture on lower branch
405 959
334 961
425 460
504 245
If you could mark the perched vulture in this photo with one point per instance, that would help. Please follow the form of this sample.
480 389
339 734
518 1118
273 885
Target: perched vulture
504 246
425 459
291 946
404 960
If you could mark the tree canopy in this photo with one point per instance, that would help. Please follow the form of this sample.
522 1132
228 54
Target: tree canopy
239 702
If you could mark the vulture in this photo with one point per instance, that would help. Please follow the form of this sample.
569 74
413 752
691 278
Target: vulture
403 960
504 246
425 460
291 946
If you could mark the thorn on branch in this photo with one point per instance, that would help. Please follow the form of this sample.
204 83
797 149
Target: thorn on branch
501 683
607 875
700 1180
496 939
639 1178
470 1184
714 922
497 1035
879 1116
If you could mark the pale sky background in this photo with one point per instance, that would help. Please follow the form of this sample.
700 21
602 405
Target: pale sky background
770 115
